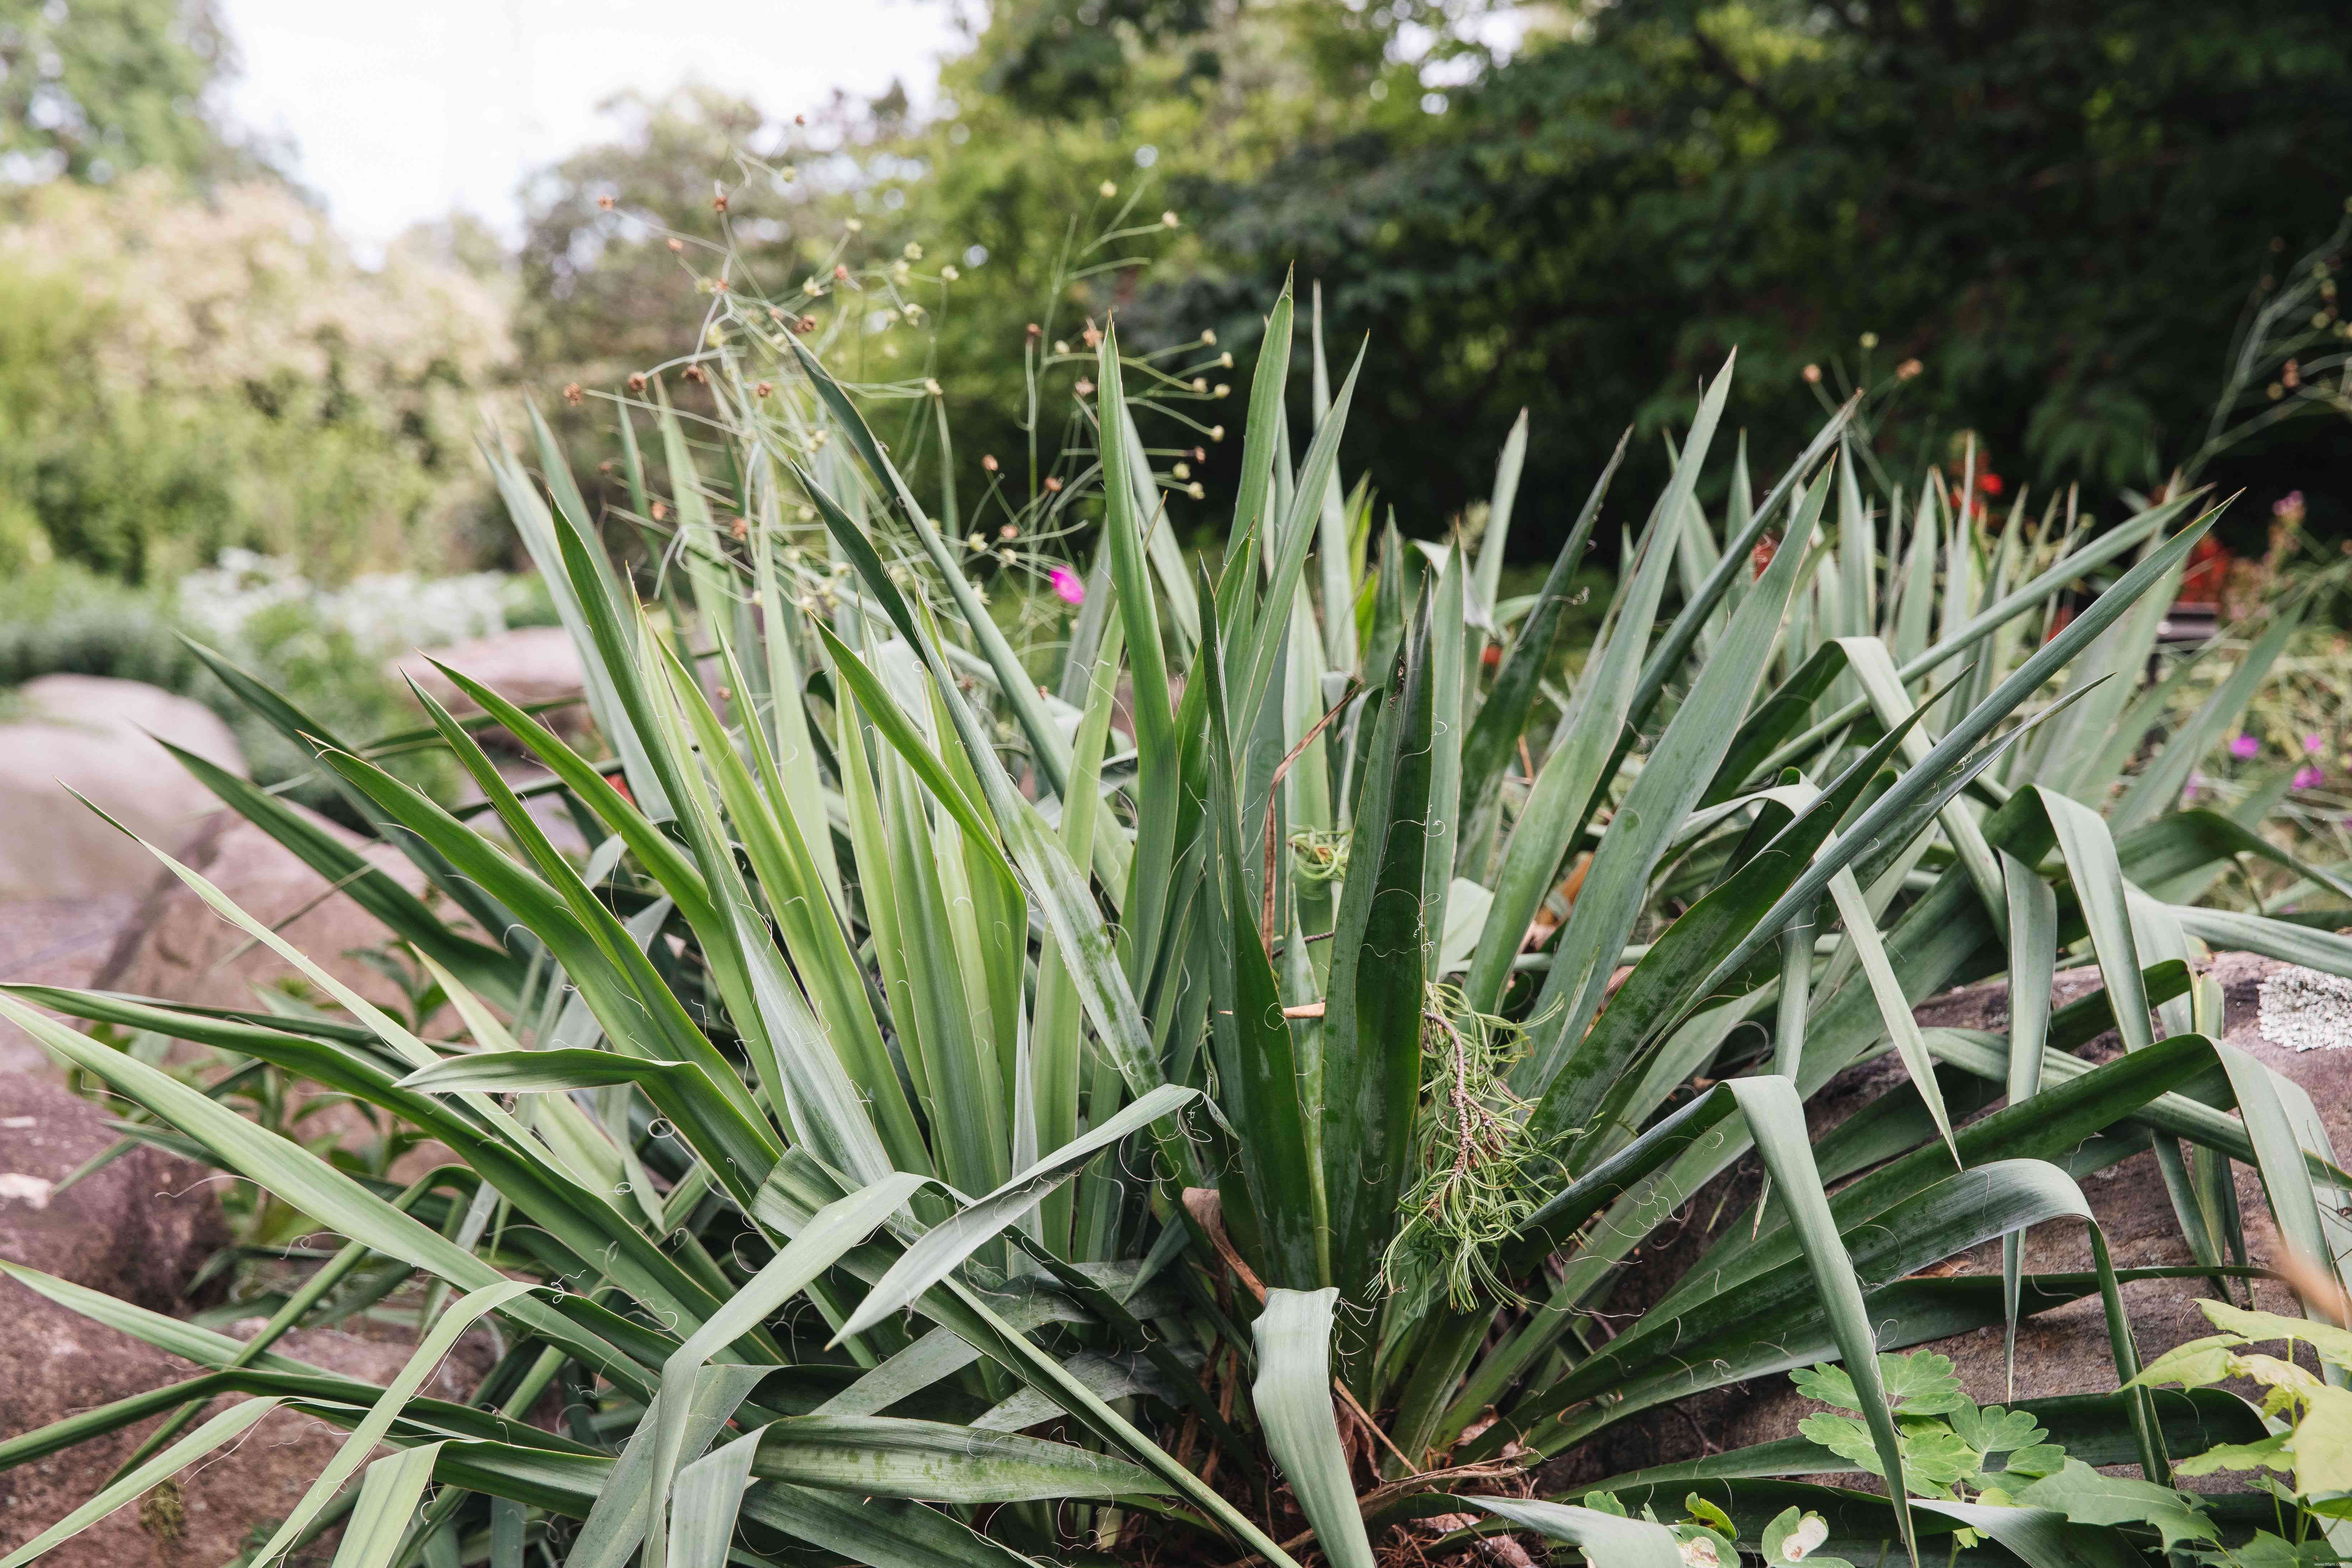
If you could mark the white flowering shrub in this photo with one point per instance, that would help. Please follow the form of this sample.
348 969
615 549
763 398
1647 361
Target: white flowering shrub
180 376
381 614
330 648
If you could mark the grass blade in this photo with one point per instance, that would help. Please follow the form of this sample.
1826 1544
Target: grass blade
229 1424
1259 1071
1020 692
1572 774
1893 1006
456 1320
1503 718
946 1245
1672 779
1371 1092
879 1456
709 1496
388 1497
1776 1118
1293 1399
2032 962
1604 1538
1933 771
312 1186
830 1233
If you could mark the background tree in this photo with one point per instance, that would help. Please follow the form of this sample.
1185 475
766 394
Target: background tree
94 89
2056 208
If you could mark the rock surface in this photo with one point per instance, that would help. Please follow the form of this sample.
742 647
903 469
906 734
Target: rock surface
170 945
55 941
225 1505
176 948
92 734
140 1230
529 664
2064 1350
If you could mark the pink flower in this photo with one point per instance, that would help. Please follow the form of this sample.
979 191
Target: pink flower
2309 778
2313 744
2243 746
1066 583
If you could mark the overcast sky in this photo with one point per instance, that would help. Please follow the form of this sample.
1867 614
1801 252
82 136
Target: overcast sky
402 113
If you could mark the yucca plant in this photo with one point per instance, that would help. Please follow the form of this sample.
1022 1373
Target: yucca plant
1192 1104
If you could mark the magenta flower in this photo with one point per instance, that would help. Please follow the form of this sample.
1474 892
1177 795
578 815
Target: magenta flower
2244 746
2313 744
2309 778
1066 583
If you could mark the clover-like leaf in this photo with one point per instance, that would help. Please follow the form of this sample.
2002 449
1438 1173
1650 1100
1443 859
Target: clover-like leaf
1704 1548
2193 1366
2322 1441
2333 1343
1922 1383
1828 1384
2268 1550
1605 1502
2038 1459
1993 1430
1934 1457
1845 1436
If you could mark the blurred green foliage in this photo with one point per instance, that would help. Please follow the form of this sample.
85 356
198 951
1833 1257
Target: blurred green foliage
94 89
64 619
2057 210
181 374
190 358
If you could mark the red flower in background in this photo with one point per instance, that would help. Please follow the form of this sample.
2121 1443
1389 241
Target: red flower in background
1988 484
2209 568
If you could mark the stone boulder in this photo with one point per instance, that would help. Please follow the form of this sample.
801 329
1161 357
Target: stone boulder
178 949
215 1509
2064 1350
140 1230
55 941
526 666
136 1229
169 944
96 735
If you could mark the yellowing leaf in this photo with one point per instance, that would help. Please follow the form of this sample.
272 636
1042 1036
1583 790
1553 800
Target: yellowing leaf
2323 1441
2194 1364
2329 1341
2271 1372
2270 1454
